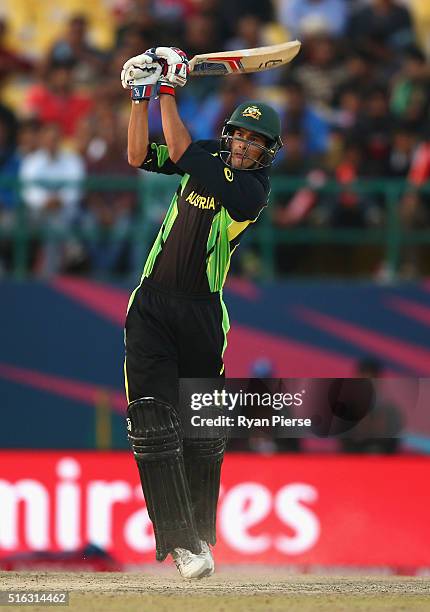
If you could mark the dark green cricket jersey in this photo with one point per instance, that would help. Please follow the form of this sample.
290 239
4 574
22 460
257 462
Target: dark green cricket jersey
210 210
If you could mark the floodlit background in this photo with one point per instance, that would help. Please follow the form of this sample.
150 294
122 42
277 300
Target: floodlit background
333 280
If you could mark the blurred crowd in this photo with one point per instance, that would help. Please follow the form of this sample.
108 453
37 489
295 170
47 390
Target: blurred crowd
370 421
355 104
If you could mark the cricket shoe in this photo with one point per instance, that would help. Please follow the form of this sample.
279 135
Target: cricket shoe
207 551
194 566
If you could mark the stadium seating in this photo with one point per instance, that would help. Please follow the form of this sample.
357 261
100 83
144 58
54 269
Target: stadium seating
34 26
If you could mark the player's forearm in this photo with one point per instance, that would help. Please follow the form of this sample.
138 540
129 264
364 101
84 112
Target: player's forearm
138 134
176 134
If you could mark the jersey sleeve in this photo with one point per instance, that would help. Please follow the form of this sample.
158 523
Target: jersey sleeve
157 160
240 192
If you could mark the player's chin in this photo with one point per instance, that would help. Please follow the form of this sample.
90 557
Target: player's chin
238 162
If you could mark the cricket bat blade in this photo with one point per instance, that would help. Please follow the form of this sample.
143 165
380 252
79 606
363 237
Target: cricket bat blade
244 60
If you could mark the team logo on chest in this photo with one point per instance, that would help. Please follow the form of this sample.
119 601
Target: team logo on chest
199 201
228 174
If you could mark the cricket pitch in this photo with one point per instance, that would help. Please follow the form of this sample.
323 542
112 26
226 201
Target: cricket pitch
229 590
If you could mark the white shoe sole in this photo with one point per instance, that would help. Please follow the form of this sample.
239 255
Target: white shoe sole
203 573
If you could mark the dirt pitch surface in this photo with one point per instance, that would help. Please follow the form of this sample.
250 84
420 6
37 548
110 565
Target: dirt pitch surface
245 589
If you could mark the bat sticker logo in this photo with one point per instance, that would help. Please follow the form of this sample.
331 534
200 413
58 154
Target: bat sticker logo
252 111
228 174
269 64
215 69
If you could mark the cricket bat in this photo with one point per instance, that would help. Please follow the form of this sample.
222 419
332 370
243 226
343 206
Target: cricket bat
244 60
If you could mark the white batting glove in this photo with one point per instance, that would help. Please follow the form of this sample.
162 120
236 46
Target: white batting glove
177 69
140 74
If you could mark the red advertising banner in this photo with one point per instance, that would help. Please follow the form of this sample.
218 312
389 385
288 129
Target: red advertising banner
319 510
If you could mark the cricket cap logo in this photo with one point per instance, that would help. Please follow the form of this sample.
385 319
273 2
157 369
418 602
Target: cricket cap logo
252 111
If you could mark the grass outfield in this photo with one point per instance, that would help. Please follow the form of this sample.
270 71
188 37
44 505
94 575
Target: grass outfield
245 590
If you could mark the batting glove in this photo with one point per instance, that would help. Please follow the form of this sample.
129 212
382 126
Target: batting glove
175 68
140 74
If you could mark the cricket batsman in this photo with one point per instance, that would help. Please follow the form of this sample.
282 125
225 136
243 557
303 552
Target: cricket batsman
177 322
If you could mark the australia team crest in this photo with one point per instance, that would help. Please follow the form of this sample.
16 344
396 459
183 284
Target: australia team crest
252 111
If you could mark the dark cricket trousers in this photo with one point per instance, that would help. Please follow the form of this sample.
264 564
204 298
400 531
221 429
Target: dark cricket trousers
168 336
